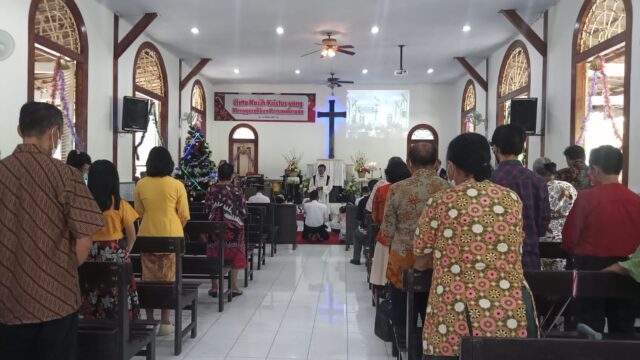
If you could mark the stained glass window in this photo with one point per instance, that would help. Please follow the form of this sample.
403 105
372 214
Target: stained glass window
468 107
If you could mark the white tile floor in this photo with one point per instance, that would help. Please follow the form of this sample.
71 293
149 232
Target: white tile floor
310 303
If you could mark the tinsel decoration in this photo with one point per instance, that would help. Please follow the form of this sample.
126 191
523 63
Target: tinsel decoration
60 87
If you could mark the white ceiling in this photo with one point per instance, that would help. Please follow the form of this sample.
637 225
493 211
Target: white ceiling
241 34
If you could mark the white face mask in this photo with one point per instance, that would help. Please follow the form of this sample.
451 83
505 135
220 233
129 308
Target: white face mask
55 144
450 175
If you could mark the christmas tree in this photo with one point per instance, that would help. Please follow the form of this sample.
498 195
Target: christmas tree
196 170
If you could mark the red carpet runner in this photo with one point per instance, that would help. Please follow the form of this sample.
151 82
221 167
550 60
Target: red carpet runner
334 239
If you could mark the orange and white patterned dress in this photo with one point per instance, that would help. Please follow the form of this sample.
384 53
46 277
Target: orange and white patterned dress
474 232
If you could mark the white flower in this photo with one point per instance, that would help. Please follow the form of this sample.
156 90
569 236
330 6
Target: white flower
504 284
472 192
512 324
498 209
477 228
484 303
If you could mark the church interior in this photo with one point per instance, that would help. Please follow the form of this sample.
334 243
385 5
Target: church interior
308 101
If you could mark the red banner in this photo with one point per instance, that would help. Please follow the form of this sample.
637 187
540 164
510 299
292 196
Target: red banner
264 107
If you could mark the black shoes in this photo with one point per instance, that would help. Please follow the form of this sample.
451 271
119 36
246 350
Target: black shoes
355 262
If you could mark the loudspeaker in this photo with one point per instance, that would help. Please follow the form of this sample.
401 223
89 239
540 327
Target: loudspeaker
524 113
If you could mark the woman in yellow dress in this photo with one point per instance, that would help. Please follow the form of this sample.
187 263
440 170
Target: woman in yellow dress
163 206
472 234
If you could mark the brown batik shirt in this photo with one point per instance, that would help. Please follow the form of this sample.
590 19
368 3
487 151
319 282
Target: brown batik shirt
44 206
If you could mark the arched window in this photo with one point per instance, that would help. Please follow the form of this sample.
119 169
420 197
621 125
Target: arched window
199 107
243 149
421 133
57 31
601 76
150 81
468 107
514 79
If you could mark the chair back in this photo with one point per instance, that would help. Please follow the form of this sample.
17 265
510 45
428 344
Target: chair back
285 219
102 278
254 225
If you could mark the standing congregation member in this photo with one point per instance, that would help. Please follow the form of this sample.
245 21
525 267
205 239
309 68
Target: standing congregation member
361 232
114 241
602 229
162 203
395 171
405 203
225 202
323 183
47 217
577 172
472 236
561 198
79 160
508 144
316 215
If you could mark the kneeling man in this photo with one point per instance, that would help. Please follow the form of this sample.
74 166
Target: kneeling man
315 217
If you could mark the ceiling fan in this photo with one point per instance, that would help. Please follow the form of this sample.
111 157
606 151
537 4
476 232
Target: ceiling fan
333 82
330 48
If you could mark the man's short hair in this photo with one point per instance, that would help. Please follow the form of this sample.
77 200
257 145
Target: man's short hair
365 189
322 166
260 188
313 195
509 138
38 117
423 154
575 152
608 158
372 183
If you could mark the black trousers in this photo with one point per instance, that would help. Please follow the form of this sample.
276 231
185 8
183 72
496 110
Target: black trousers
399 306
619 313
320 231
51 340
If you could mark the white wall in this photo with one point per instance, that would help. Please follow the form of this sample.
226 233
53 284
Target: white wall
430 104
13 72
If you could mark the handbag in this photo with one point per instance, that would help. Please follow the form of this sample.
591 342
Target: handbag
383 328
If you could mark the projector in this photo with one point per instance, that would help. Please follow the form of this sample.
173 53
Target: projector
401 72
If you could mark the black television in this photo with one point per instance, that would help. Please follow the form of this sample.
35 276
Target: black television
135 114
524 112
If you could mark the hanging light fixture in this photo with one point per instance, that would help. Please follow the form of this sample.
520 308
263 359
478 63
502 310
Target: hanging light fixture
331 53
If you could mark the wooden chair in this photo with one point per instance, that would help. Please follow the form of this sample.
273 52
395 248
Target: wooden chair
115 337
197 265
169 295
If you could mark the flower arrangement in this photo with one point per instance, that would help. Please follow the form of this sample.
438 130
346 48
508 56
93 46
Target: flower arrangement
360 163
352 187
293 160
305 185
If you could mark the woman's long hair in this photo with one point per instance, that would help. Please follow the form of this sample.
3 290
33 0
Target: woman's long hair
104 184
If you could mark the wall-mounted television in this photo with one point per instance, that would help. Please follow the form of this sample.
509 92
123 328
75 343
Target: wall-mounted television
135 114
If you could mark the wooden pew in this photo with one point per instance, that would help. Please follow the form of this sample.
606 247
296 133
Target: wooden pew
255 237
169 295
285 218
485 348
115 337
270 228
543 284
352 225
197 265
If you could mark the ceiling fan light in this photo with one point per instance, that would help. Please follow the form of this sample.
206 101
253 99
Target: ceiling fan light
331 53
